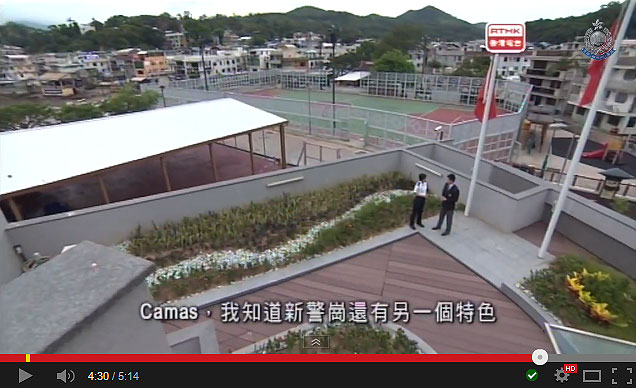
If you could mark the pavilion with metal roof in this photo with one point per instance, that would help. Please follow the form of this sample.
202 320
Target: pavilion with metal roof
39 159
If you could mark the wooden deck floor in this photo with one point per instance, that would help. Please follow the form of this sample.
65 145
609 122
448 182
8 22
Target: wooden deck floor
411 270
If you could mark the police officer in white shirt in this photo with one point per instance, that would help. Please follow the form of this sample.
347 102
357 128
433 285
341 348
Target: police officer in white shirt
418 202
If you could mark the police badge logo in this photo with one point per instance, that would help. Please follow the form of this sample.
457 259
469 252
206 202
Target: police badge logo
599 43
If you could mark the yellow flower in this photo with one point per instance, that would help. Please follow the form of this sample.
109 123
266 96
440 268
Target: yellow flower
600 311
586 297
574 283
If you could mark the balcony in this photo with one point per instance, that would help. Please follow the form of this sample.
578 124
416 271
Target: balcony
615 109
622 86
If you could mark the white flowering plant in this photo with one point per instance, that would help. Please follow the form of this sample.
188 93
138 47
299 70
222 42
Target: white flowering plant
276 257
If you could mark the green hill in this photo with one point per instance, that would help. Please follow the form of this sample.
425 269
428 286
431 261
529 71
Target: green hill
564 29
146 31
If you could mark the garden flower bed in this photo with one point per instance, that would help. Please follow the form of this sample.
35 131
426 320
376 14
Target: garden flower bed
378 213
588 295
290 229
343 339
259 226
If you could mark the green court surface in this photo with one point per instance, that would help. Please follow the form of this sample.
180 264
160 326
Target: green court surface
380 103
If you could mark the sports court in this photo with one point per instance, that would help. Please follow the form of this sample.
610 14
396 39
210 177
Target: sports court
433 111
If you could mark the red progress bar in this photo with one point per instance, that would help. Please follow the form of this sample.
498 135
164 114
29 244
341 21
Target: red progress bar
526 358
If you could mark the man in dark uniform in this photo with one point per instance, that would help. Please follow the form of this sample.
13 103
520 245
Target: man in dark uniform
450 195
418 202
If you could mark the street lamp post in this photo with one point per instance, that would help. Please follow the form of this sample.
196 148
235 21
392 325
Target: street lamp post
162 87
205 74
567 156
332 37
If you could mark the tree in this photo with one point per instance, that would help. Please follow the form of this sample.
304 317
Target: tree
21 116
257 41
473 67
78 112
403 38
219 32
435 64
366 52
127 100
97 24
395 62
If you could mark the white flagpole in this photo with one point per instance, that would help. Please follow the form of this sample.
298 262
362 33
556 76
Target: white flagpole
482 134
598 97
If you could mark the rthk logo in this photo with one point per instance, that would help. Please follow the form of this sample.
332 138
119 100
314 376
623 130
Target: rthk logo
506 38
569 368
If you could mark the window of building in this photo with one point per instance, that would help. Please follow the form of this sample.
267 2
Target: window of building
629 75
580 110
620 97
613 120
505 59
550 101
631 122
607 94
518 59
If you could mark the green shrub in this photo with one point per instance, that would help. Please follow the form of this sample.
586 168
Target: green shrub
618 291
621 205
257 226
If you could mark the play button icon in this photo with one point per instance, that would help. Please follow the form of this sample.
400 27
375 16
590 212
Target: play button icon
23 375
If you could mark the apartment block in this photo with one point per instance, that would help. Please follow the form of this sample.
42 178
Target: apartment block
552 74
175 40
618 110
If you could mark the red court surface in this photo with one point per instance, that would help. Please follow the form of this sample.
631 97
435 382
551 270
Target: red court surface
449 116
263 92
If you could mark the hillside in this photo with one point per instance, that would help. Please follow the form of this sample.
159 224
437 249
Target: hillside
145 31
437 23
564 29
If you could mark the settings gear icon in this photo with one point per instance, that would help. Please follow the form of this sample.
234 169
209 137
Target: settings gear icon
561 376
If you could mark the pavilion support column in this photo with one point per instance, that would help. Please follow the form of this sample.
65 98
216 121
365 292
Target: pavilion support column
249 138
15 209
283 154
103 187
166 177
216 174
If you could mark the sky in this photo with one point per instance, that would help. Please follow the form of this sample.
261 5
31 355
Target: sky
473 11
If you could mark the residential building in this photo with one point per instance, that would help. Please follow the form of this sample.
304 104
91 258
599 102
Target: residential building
308 40
513 65
618 110
17 67
175 40
230 39
122 63
552 74
98 61
6 49
84 28
151 64
419 59
448 54
259 59
57 84
221 63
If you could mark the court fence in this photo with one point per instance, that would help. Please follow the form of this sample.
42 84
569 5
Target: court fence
374 128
